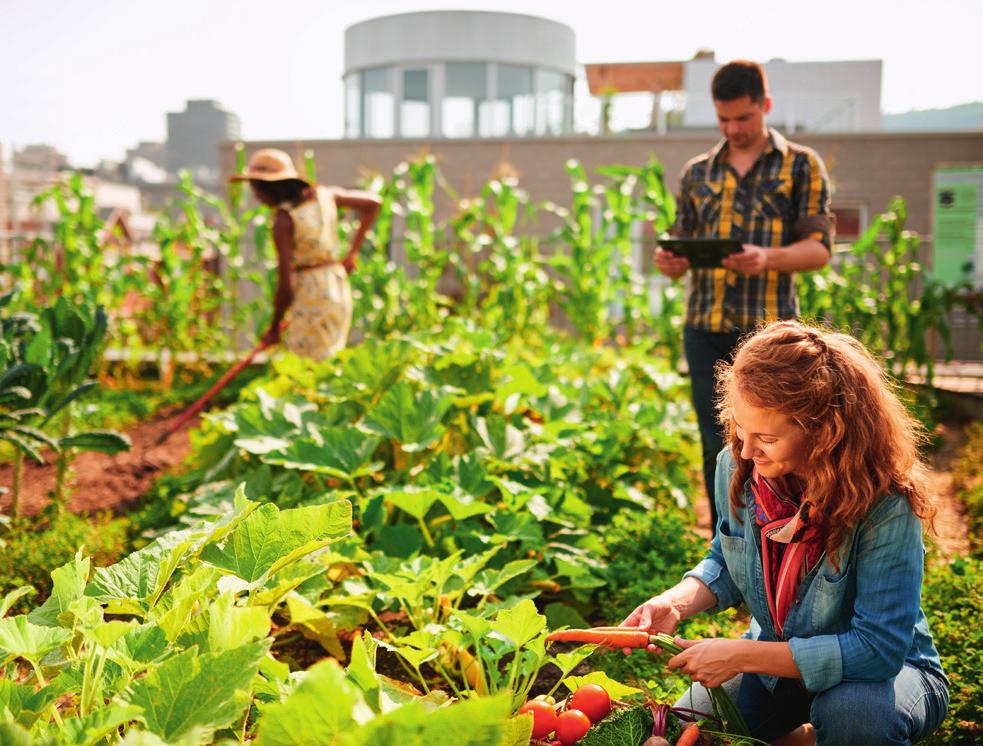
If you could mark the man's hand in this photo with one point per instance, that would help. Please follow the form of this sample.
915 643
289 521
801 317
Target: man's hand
711 661
670 264
753 260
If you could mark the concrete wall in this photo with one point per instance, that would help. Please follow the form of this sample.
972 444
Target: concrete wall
866 169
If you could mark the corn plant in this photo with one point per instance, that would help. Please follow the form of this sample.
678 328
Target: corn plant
879 292
500 270
594 249
78 261
380 288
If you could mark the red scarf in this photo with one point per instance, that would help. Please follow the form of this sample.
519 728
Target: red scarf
790 545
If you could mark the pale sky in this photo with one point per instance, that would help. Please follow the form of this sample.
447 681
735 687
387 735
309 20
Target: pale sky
94 78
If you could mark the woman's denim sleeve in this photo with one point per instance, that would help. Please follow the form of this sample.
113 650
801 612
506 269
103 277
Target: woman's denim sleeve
889 562
712 570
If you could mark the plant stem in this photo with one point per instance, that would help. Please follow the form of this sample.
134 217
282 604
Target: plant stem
15 487
61 467
43 683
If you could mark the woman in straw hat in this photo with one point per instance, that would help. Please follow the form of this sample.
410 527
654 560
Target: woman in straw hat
312 279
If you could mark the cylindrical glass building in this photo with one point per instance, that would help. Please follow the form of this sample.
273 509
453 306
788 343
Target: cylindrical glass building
458 74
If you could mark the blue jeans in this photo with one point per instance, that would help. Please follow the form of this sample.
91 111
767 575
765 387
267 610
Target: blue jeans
901 710
703 351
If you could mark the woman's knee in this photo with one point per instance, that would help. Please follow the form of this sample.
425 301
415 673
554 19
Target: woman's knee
859 712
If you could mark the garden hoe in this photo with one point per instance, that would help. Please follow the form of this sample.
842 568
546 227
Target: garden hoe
216 387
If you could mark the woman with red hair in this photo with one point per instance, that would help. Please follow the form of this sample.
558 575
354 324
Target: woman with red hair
821 496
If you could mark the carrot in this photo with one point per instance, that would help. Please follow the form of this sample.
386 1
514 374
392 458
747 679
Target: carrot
619 637
690 735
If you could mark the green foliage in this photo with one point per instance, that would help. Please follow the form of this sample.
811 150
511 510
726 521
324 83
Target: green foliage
198 606
32 546
967 482
189 690
494 248
880 292
73 263
952 597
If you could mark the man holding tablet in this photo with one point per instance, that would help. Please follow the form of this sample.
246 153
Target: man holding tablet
769 195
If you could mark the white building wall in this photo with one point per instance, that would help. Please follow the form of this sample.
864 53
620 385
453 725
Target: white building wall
447 36
810 96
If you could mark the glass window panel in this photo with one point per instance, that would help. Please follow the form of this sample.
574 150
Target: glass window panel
552 103
465 80
465 86
457 117
414 109
515 90
353 100
378 103
494 119
416 85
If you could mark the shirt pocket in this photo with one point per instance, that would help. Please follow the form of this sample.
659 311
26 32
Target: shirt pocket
829 597
772 199
734 549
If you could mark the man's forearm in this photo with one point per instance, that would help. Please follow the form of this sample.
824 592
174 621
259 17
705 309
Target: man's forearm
801 256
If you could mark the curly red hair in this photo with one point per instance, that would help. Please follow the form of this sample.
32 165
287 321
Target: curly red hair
864 442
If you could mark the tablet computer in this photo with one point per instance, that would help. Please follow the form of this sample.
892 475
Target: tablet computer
702 252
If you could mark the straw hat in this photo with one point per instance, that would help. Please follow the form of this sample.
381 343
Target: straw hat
269 164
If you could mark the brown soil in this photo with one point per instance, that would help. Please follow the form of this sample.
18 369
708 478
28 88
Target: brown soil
950 523
99 481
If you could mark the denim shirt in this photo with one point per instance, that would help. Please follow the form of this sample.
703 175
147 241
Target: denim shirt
861 621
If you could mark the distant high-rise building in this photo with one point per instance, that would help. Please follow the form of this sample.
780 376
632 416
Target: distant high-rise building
193 136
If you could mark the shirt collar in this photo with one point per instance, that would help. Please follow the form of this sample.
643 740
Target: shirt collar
776 141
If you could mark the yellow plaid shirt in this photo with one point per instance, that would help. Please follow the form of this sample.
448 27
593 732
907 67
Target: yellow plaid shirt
784 198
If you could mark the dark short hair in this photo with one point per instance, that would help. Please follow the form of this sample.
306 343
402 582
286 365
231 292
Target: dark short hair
738 79
285 190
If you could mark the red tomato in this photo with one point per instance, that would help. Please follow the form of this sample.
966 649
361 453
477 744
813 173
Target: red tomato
592 700
543 717
571 726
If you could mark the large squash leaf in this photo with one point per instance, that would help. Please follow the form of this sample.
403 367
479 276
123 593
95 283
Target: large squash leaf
476 722
68 583
343 452
95 727
411 419
188 690
138 579
324 705
20 638
270 539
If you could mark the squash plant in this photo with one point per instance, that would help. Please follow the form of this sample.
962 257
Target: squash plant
170 638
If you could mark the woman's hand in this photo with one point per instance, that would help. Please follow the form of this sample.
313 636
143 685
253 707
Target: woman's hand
349 263
655 615
711 661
